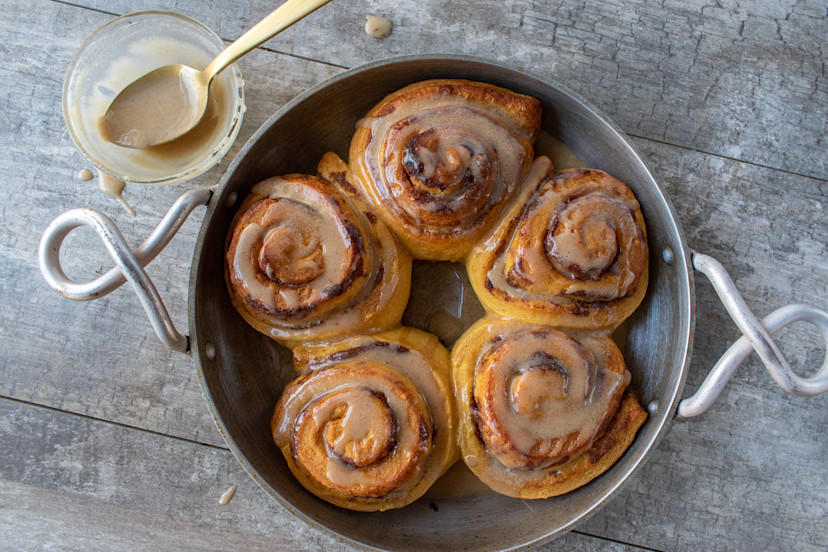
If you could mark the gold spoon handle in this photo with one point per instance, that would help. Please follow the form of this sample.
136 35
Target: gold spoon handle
280 19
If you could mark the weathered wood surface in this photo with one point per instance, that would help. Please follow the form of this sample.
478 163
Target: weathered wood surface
106 440
744 80
86 485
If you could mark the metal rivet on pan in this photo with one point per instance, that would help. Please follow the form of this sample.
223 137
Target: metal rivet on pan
231 199
210 351
652 407
668 255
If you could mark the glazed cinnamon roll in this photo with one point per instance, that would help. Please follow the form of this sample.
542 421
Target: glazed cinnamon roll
308 259
541 412
441 158
369 423
572 253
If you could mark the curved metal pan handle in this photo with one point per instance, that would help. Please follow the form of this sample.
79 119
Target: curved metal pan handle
757 337
130 264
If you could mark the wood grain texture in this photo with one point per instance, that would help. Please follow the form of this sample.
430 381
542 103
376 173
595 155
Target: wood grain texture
728 104
744 80
80 484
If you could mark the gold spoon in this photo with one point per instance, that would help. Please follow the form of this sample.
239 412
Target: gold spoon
169 101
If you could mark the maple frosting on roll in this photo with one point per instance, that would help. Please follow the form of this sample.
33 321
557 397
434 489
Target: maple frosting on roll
307 259
441 158
541 411
369 424
572 252
541 396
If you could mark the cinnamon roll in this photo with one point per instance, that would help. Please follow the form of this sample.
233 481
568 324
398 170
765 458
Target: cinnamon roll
308 259
541 412
369 423
441 158
572 252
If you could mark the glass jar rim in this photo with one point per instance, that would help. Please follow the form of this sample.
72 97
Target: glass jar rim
194 169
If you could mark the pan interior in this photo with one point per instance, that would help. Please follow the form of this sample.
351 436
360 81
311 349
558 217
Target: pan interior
244 379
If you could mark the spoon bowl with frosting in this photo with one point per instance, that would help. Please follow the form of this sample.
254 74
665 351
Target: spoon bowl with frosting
120 52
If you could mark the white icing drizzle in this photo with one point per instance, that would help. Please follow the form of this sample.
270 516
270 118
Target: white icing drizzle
85 175
245 271
114 187
227 496
417 368
282 216
377 27
363 429
591 247
497 274
407 438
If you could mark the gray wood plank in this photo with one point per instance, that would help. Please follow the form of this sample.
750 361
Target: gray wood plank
741 80
71 483
749 474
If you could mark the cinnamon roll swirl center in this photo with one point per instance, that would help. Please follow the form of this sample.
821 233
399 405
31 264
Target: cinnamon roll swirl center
291 257
356 427
536 390
447 167
541 397
360 429
298 253
580 237
582 242
444 160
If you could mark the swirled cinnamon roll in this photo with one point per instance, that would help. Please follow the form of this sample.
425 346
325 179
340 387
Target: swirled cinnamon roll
308 259
369 423
541 412
441 158
572 253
